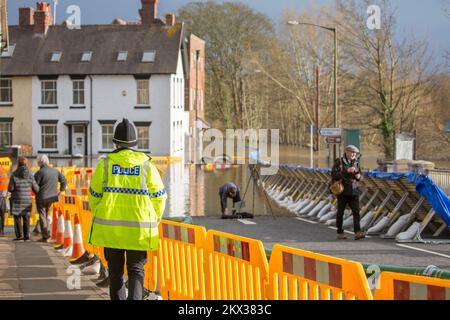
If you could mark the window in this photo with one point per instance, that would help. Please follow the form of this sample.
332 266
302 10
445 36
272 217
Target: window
107 137
48 90
122 56
86 57
5 91
49 136
56 56
78 92
149 56
143 92
5 133
143 134
9 53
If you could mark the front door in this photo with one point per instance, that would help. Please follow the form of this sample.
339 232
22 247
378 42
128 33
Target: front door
78 140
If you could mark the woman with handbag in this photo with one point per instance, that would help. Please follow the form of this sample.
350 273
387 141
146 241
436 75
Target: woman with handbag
347 172
20 185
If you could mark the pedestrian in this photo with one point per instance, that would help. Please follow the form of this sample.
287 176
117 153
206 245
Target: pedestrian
47 178
348 170
3 195
127 199
21 185
228 190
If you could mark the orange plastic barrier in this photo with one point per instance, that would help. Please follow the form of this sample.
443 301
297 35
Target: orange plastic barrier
296 274
236 267
180 261
397 286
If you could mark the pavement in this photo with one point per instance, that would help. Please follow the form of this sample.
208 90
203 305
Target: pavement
320 238
35 271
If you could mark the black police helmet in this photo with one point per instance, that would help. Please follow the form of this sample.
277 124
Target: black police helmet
125 134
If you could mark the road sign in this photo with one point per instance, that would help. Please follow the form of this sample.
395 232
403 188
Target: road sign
333 140
331 132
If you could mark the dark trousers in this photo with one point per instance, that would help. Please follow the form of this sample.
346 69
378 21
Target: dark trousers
353 202
2 213
43 211
24 226
136 261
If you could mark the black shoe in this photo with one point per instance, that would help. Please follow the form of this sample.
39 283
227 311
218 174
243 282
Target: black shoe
44 240
17 239
104 283
85 258
36 232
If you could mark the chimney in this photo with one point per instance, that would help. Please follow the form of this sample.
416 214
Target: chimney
26 16
149 11
42 17
170 19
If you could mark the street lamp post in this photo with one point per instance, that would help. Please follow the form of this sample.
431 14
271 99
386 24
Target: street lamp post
334 29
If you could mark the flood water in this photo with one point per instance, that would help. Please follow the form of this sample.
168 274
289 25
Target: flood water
194 191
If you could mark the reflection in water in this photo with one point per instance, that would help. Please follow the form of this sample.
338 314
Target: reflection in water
194 191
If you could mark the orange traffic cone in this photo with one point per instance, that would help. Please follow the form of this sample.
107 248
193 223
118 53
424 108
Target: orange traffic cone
60 232
68 236
54 223
78 248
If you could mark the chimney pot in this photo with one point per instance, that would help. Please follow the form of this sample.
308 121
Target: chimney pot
149 11
170 19
26 16
42 17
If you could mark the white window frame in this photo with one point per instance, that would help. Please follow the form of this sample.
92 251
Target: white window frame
149 56
10 89
44 90
107 147
143 92
86 56
79 92
44 134
146 139
6 128
122 56
56 56
8 53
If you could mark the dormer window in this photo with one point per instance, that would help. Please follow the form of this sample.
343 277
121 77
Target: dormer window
122 56
9 52
56 56
149 56
86 57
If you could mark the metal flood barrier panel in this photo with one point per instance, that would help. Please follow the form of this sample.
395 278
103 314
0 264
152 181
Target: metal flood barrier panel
236 267
296 274
390 205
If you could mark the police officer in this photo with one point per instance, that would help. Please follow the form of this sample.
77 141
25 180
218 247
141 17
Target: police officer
127 198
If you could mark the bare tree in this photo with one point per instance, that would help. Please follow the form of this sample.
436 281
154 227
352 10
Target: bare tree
387 79
231 31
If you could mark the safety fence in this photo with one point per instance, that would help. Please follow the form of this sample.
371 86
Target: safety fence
195 264
390 205
441 177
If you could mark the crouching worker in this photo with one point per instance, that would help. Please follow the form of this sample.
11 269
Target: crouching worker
229 190
127 199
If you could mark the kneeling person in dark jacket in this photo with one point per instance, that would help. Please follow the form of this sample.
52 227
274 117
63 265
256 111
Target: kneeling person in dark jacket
228 190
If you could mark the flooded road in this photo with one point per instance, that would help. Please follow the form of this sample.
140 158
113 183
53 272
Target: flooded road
194 191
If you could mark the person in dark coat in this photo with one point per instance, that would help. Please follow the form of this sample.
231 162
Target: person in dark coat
47 178
347 169
21 184
228 190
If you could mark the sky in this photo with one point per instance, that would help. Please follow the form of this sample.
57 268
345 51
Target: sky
425 19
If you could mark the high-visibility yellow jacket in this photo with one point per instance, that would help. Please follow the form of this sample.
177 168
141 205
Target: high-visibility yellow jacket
3 182
127 199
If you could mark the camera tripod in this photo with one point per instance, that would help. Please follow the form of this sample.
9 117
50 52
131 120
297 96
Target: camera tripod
255 177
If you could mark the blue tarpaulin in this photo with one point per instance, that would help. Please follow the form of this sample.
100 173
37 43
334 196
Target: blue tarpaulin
435 196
